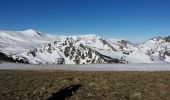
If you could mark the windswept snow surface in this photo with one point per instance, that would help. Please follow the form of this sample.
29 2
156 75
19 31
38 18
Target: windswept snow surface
88 67
15 42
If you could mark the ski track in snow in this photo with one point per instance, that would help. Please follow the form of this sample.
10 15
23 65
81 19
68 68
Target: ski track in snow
88 67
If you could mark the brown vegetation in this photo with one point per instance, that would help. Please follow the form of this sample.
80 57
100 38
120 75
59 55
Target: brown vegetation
42 85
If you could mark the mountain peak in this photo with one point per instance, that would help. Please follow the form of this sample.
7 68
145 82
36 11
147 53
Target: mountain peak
89 36
167 39
32 32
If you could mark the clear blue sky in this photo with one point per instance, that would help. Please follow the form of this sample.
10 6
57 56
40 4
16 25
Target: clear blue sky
135 20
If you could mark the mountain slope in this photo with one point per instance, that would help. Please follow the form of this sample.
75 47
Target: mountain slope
157 48
71 51
34 47
21 41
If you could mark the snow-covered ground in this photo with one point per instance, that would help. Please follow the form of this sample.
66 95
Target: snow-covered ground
90 67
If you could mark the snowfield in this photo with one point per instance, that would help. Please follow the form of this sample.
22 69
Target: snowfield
33 47
88 67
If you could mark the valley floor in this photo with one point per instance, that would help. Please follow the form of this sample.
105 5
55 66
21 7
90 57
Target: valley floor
81 85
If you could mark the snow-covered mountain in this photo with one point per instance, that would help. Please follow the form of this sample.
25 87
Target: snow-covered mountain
21 41
157 48
34 47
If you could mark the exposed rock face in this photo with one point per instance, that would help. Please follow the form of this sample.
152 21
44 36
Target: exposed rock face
70 49
6 58
35 47
157 48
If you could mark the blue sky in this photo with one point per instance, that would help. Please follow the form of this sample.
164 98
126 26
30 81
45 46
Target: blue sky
135 20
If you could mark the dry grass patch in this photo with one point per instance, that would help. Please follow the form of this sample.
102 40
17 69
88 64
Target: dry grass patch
34 85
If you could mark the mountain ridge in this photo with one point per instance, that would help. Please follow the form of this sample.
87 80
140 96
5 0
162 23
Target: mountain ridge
34 47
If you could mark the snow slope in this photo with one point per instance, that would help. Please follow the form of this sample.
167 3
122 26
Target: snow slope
37 48
157 48
21 41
